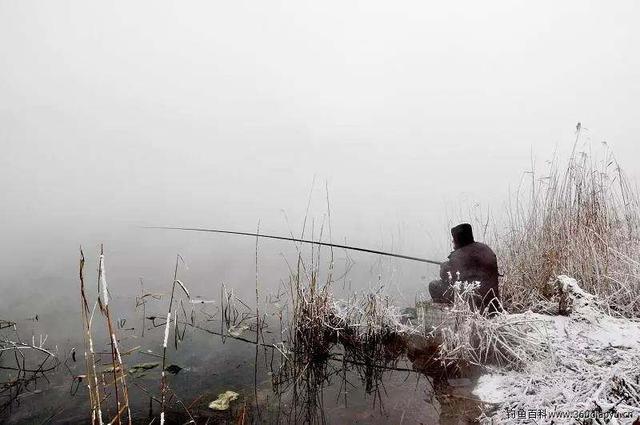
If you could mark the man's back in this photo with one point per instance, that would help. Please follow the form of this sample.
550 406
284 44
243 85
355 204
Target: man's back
474 262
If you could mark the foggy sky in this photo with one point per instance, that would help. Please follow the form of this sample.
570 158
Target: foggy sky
209 113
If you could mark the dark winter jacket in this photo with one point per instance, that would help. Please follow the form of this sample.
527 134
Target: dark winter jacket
474 261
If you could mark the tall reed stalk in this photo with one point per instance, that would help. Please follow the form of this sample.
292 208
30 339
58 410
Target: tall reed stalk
96 383
582 220
89 353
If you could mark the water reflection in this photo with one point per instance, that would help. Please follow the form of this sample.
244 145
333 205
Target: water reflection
376 383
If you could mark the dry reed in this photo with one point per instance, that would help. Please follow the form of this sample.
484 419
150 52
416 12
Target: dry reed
97 383
468 337
582 220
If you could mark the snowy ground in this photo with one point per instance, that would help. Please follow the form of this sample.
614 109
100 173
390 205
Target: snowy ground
590 375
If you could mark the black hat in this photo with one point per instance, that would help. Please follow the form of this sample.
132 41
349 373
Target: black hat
462 235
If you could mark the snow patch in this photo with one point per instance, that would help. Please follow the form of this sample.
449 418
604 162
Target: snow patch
593 367
490 388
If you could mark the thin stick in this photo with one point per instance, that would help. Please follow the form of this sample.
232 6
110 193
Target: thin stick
255 366
163 382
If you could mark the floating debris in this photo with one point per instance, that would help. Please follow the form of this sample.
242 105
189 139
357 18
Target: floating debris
201 301
173 369
237 330
223 400
140 369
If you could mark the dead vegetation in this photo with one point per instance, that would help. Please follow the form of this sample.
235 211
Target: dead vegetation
327 339
504 340
112 380
22 364
582 220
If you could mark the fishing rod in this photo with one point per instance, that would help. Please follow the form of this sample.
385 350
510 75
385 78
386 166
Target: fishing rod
284 238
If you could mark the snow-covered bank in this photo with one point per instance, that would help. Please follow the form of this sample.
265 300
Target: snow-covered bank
593 370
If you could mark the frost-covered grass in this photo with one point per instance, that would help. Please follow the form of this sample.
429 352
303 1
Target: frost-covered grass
593 366
467 336
582 220
371 315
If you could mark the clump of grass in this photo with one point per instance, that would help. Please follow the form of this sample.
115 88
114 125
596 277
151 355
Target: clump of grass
311 336
319 321
582 220
312 320
358 331
469 337
369 317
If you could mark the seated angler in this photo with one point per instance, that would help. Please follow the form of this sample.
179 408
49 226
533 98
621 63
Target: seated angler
469 261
